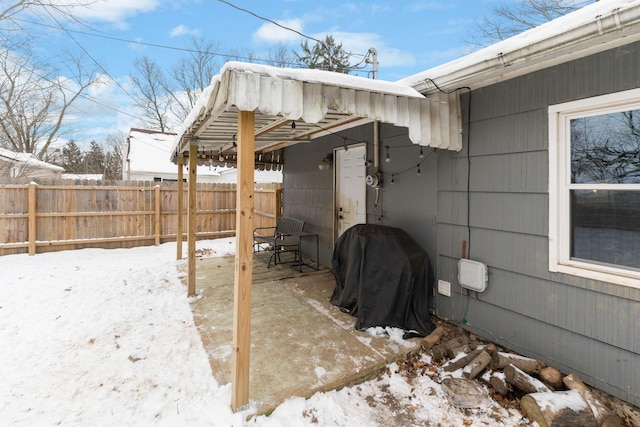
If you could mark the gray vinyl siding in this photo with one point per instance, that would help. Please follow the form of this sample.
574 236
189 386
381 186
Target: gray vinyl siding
575 324
409 203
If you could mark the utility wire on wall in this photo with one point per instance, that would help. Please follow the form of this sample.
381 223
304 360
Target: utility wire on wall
468 89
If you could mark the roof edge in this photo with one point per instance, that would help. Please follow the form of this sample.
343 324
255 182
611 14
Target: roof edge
600 27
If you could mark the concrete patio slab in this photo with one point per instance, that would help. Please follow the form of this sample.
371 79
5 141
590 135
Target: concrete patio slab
300 342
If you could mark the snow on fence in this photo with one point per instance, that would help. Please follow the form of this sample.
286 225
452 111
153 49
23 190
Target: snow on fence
46 217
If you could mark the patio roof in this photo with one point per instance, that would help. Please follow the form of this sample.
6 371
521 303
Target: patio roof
249 113
295 105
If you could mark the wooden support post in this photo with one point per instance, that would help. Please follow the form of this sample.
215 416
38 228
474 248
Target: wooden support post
191 220
244 261
157 219
32 218
179 207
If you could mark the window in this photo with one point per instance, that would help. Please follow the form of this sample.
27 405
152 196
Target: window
594 188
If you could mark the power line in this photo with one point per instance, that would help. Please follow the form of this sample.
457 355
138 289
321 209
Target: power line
92 58
271 21
156 45
82 95
355 68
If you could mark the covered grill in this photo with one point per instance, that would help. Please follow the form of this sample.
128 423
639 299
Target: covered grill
382 278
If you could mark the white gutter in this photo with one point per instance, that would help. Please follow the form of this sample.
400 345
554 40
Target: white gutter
604 25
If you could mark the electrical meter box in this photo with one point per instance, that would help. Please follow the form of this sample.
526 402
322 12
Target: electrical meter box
472 275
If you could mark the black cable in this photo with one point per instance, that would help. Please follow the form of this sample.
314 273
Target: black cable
468 157
355 68
469 176
272 21
82 95
159 46
394 174
92 58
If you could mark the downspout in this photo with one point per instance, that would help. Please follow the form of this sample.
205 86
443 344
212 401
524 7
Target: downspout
376 129
376 123
376 145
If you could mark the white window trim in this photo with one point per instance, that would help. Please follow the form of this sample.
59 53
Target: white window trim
560 182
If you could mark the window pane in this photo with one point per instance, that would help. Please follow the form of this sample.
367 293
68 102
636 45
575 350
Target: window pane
605 148
605 227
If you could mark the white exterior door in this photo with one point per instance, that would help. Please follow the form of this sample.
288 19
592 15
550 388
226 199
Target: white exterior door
351 191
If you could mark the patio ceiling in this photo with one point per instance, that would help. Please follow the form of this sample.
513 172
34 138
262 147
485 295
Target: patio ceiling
295 105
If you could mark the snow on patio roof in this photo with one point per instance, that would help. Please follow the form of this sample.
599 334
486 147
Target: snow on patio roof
294 105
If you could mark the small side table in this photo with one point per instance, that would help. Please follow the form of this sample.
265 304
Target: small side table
305 235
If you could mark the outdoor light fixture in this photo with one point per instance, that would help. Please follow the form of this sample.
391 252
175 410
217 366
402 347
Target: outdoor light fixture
421 153
293 124
418 169
326 162
387 158
393 179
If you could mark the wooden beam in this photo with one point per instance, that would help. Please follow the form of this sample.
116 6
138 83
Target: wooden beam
180 207
244 261
191 220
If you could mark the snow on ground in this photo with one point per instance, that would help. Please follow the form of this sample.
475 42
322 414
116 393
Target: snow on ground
106 337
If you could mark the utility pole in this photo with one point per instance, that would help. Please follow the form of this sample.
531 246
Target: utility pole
373 61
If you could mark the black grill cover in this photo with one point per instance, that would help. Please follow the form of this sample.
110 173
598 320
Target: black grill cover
382 277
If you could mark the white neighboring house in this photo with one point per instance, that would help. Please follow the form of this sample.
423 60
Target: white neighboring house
26 165
146 156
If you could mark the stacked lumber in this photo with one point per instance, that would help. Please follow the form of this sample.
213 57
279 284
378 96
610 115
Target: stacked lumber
545 395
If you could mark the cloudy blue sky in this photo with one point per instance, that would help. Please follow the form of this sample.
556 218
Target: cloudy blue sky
409 36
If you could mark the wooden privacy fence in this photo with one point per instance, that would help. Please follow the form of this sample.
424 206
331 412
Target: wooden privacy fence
54 217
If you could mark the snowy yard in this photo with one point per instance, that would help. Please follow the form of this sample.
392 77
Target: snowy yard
106 337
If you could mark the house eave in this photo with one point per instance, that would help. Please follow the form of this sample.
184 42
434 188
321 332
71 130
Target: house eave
602 27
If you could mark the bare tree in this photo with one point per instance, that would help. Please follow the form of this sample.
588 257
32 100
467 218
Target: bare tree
280 56
510 18
9 9
35 96
192 74
34 99
154 99
167 98
113 158
604 149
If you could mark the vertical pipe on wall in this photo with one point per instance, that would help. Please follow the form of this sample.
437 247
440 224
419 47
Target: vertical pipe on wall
376 144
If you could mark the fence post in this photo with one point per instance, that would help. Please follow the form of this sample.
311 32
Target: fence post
179 206
32 218
157 193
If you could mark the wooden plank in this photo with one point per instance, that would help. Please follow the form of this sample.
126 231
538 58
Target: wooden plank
32 219
179 207
122 216
157 214
90 214
191 220
244 261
